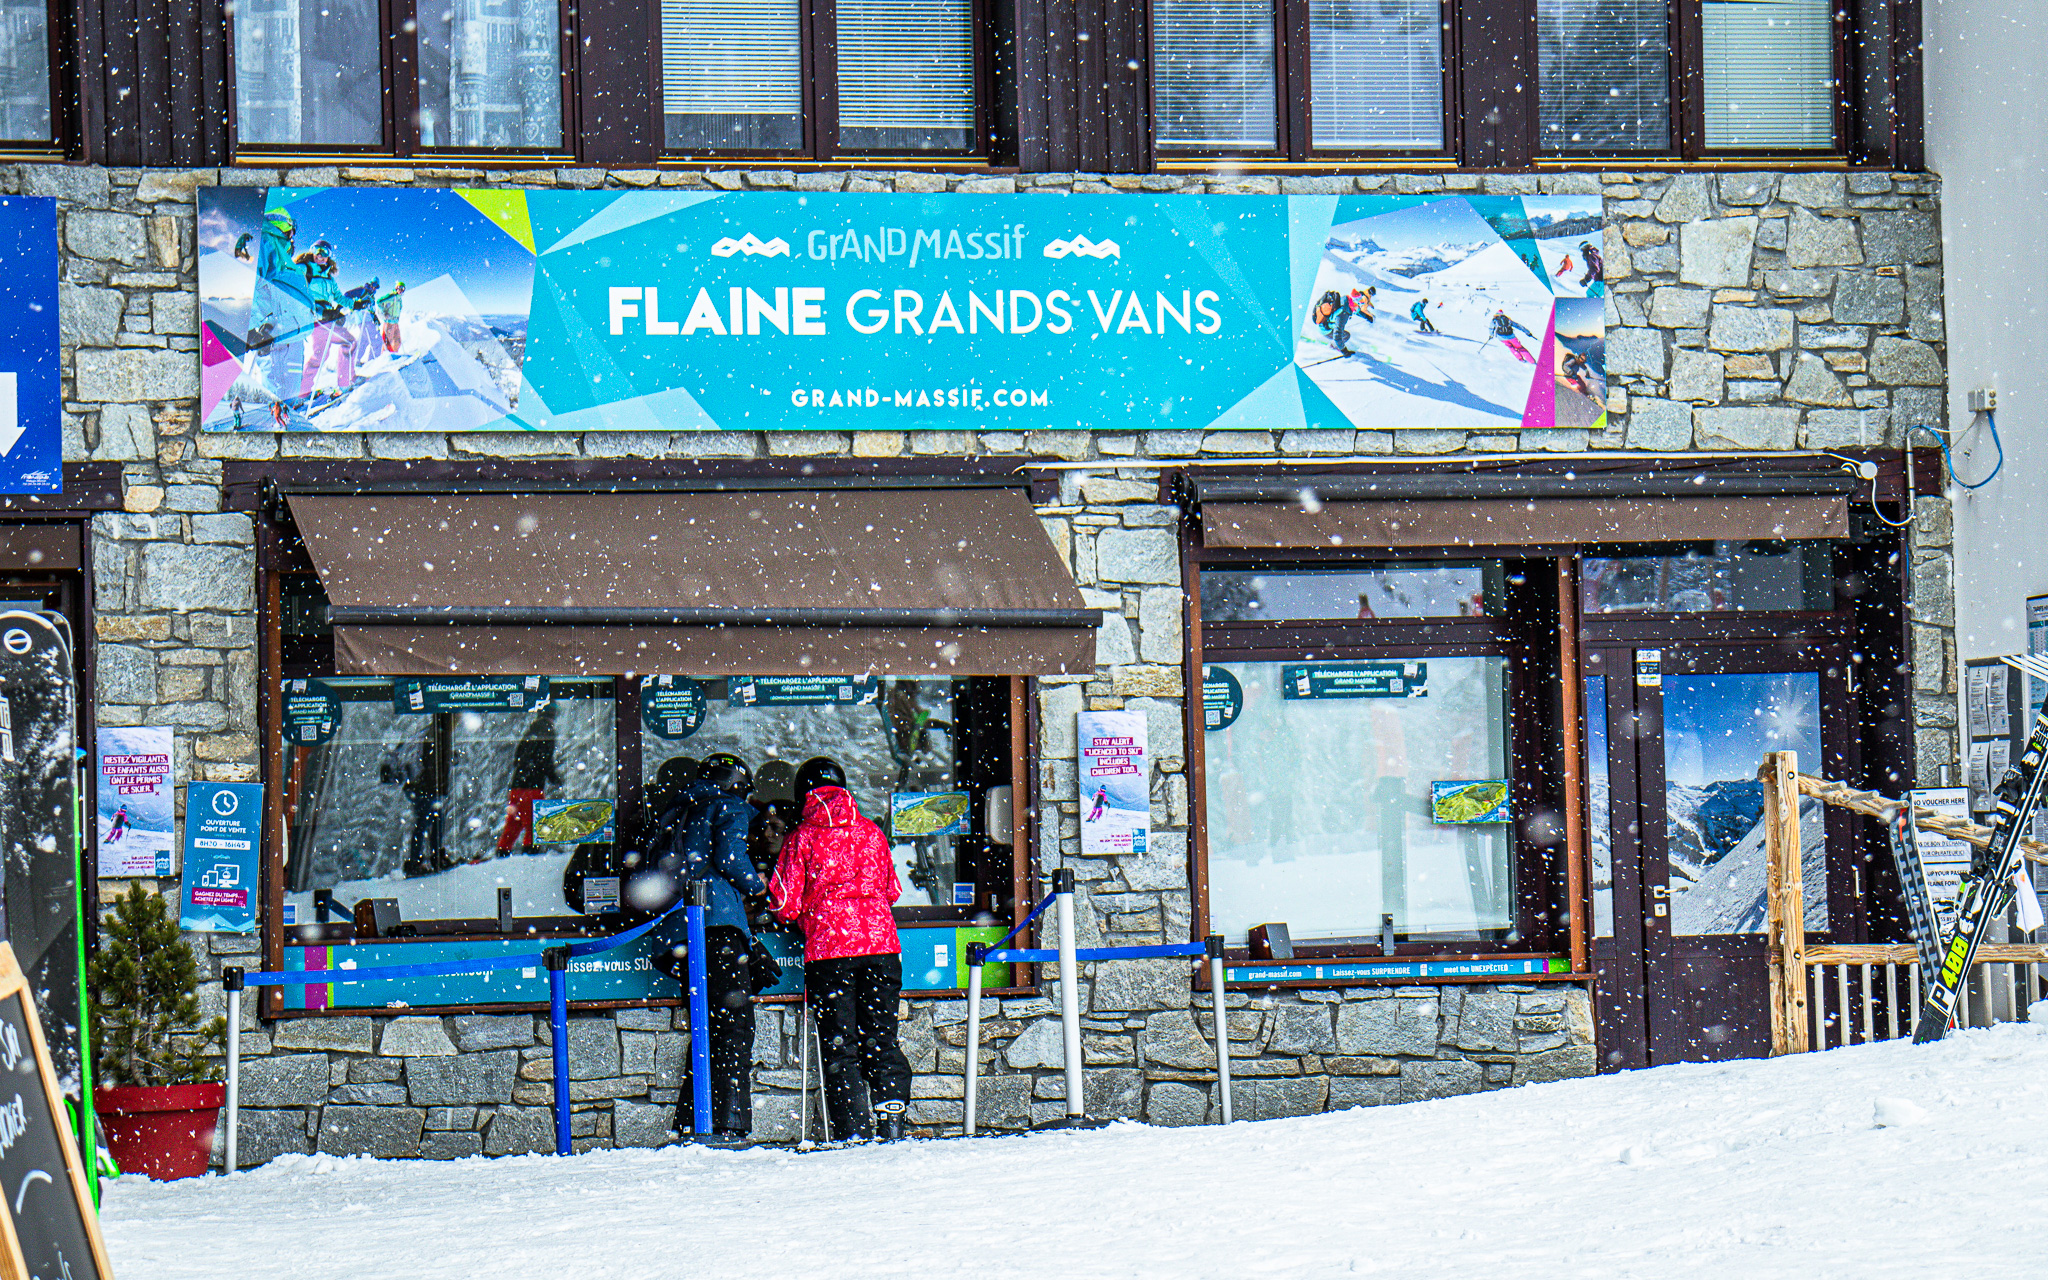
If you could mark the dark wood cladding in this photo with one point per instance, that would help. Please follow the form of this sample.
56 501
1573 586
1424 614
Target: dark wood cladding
1068 83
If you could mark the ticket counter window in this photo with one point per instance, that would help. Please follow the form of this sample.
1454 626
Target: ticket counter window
1708 577
438 793
1379 591
1343 793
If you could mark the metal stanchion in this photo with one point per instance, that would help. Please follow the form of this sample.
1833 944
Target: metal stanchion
1070 990
557 961
974 963
700 1010
231 985
1214 949
803 1097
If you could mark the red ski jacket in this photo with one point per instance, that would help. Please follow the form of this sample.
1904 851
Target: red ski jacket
836 879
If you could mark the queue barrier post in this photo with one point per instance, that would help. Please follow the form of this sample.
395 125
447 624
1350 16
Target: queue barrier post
1213 948
231 986
1070 991
975 953
700 1010
557 961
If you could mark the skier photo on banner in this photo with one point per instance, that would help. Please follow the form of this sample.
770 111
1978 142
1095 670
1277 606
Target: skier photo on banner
1593 280
1504 327
331 327
1332 314
1419 313
119 827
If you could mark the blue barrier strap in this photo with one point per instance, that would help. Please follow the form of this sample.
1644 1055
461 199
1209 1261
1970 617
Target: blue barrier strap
1026 921
1096 953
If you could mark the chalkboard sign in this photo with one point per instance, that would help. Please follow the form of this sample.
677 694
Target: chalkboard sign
51 1233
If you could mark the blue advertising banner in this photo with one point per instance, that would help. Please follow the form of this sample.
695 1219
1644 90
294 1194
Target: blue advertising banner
31 420
223 829
357 309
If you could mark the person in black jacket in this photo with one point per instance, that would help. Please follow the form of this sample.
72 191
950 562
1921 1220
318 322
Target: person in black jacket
533 772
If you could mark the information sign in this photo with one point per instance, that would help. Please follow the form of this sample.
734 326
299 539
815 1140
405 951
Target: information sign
801 691
1222 699
468 693
1354 680
312 711
671 707
51 1230
223 829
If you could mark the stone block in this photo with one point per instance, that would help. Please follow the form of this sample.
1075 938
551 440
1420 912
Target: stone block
129 375
1042 1044
108 237
476 1032
519 1130
1135 986
1160 612
1300 1029
1739 328
1675 308
450 1146
78 184
265 1135
415 1038
1274 1099
1176 1105
1812 382
462 1080
1363 1091
1383 1027
1903 360
1832 337
1746 428
289 1080
1925 317
375 1071
1173 1040
368 1095
1716 251
1747 189
1570 1063
341 1035
1900 239
1813 241
389 1133
1823 190
1486 1021
1696 377
458 1118
126 674
1864 298
1137 555
1421 1081
1659 424
593 1049
1635 351
1114 1093
180 578
1685 199
639 1124
1163 868
228 529
88 317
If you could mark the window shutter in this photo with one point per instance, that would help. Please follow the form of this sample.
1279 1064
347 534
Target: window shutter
1376 68
906 74
1604 81
25 72
1769 73
732 73
1213 73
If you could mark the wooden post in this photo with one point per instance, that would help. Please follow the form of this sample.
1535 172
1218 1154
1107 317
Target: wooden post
1786 936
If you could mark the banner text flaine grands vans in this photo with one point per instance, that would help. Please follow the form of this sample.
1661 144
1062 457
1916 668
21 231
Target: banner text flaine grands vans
809 312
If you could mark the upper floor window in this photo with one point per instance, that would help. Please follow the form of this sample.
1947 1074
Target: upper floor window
875 76
25 72
1372 80
466 75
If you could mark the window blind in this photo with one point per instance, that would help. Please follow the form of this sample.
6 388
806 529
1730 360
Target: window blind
732 74
906 74
307 71
1376 71
1769 72
25 71
1213 73
1603 75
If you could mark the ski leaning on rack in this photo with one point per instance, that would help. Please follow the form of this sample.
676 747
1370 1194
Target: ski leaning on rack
1905 840
1989 889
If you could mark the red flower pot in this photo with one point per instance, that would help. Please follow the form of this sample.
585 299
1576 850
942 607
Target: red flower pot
166 1133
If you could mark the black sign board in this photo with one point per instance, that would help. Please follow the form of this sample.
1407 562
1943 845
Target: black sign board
311 712
671 707
51 1232
1354 680
802 691
468 693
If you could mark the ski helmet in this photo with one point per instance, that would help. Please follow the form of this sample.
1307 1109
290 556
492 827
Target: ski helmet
727 772
667 791
323 244
1330 298
818 771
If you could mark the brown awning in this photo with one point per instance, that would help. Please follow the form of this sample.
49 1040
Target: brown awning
834 582
1510 522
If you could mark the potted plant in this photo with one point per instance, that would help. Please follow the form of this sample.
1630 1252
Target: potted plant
159 1100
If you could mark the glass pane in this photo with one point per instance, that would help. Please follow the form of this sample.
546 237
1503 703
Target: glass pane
1392 591
1599 816
896 738
1769 72
308 71
25 72
1376 68
1708 577
1213 85
491 74
1604 80
732 75
1320 812
1716 732
436 809
906 75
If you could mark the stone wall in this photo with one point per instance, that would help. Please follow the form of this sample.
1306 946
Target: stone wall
1752 312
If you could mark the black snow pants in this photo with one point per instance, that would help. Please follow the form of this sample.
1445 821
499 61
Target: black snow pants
731 996
854 999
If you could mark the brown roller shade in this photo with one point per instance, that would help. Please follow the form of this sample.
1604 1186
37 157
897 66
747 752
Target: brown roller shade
1511 522
39 547
833 582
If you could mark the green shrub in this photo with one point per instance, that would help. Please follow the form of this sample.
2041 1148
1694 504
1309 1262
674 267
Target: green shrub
143 986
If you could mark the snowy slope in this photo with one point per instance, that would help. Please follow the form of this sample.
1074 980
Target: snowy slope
1730 1171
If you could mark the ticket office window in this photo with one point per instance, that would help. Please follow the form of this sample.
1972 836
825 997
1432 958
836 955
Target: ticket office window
1370 744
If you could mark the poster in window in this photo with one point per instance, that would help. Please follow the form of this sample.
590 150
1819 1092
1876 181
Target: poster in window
223 826
1945 859
311 712
137 829
928 813
573 821
1115 782
671 707
802 691
1469 803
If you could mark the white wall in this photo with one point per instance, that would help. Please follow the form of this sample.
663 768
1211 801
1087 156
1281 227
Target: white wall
1987 117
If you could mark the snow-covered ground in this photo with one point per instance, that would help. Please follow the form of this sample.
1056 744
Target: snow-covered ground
1864 1163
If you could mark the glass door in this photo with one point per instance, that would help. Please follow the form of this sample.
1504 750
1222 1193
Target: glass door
1676 733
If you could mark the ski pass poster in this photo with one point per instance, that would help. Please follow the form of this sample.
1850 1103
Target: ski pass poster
371 309
1116 800
137 828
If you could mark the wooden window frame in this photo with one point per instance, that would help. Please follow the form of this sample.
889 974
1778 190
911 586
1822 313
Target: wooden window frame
399 100
819 22
1294 101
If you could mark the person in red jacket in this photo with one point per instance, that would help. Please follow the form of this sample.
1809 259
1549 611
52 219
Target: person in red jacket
836 879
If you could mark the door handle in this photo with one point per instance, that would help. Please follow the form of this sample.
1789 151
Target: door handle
1660 891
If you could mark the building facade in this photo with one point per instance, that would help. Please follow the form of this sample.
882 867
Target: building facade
1603 610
